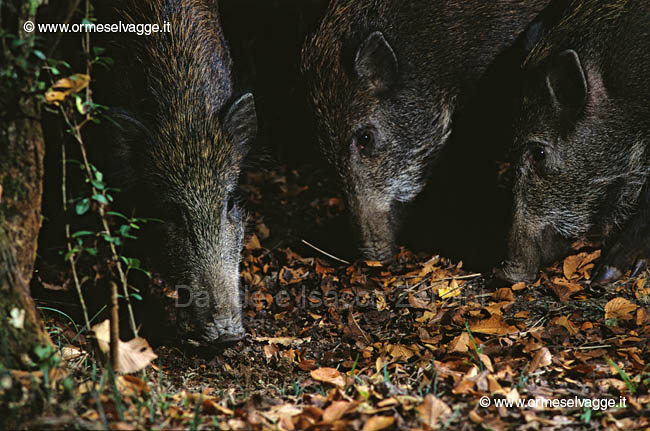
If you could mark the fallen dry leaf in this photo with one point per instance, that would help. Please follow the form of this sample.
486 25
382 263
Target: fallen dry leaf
543 358
65 87
285 341
460 343
328 375
252 242
133 355
495 325
431 410
376 423
336 410
566 323
619 308
450 290
570 265
504 294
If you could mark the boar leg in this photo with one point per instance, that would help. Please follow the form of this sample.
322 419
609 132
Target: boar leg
630 248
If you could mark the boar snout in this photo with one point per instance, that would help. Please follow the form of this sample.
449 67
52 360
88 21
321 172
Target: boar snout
516 271
530 247
209 317
222 331
376 228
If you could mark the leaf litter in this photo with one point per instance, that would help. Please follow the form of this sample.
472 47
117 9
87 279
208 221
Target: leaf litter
412 344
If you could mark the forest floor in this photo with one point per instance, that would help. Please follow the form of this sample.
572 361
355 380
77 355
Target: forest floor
419 343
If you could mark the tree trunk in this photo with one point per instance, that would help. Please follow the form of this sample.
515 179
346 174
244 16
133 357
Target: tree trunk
21 178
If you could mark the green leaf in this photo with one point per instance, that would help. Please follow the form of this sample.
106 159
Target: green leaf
91 251
100 198
82 206
39 54
99 185
116 214
136 296
124 231
82 233
71 253
18 42
145 272
82 108
42 351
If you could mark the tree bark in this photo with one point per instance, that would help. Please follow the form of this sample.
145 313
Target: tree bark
21 179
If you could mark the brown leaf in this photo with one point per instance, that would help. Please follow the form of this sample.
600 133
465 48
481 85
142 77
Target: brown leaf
336 410
543 358
565 322
307 364
460 343
134 384
570 265
65 87
564 289
431 410
399 351
70 352
270 350
133 355
495 325
485 359
328 375
377 423
291 276
619 308
518 286
285 341
252 242
504 294
417 302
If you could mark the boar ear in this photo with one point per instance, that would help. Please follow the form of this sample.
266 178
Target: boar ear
240 121
567 82
376 63
541 25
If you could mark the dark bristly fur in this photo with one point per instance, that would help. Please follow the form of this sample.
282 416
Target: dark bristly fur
398 70
183 140
586 105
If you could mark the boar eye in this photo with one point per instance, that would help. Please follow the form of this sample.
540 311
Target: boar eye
364 140
538 153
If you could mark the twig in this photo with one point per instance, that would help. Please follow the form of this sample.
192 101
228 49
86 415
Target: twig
75 277
440 280
351 317
325 253
107 229
115 327
603 346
